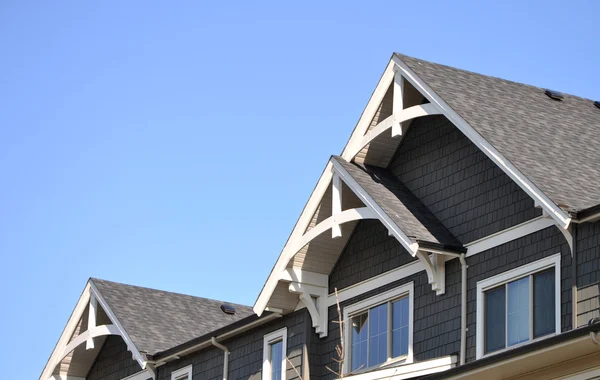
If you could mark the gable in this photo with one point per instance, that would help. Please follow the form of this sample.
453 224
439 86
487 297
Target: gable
459 184
553 143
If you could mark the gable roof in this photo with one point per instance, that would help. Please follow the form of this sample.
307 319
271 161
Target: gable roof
157 320
554 143
401 205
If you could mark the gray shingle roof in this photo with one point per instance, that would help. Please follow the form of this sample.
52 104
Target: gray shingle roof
400 204
553 143
156 320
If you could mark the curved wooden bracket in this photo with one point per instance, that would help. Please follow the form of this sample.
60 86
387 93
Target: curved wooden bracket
92 333
315 300
435 267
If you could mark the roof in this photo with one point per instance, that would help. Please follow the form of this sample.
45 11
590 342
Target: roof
553 143
400 204
156 320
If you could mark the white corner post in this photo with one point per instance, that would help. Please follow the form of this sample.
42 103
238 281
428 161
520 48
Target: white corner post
336 207
398 104
89 343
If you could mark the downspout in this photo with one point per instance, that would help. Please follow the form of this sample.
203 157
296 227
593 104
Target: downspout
574 276
214 342
463 309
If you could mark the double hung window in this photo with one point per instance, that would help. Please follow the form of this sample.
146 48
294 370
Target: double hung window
379 330
518 306
274 355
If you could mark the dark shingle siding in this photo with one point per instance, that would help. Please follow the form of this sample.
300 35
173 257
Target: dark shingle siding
245 361
512 255
461 186
369 252
114 362
588 271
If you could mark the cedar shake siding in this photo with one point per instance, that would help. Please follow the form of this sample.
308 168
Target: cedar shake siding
587 247
369 252
460 185
512 255
114 362
246 358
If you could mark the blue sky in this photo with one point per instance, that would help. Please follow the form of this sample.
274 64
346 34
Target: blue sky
173 144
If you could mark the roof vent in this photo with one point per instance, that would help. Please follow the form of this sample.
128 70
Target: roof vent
597 104
227 309
554 94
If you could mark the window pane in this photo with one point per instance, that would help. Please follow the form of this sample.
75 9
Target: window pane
400 327
378 318
359 342
518 311
543 303
495 317
276 359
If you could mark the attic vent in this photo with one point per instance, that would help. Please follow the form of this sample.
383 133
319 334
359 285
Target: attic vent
597 104
554 94
227 309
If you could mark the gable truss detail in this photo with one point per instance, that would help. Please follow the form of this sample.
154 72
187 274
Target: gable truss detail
92 300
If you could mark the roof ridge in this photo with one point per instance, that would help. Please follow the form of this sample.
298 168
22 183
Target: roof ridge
403 56
94 279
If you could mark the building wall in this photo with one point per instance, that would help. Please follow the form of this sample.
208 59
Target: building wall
463 188
246 358
370 252
114 362
587 247
512 255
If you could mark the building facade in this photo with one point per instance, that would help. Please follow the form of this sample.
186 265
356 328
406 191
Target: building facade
457 236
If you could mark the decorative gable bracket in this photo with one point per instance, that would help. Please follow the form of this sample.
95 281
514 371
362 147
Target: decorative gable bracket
312 288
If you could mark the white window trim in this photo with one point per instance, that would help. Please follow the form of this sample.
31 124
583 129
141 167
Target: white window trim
348 311
505 277
181 372
275 336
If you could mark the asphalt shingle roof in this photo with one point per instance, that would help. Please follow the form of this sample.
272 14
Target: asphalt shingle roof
553 143
400 204
156 320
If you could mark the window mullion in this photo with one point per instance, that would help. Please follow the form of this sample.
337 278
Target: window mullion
506 315
389 331
368 336
531 311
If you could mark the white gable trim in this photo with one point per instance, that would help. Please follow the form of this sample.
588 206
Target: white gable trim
297 240
561 217
90 295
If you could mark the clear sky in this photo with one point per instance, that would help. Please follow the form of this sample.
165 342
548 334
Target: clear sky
173 144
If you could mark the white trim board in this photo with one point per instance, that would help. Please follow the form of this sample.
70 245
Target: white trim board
186 371
508 235
408 371
510 275
274 337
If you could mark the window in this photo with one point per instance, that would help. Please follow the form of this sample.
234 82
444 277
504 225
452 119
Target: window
518 306
379 330
274 352
184 373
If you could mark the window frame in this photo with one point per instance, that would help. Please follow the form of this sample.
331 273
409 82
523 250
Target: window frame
187 370
270 338
406 290
504 278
